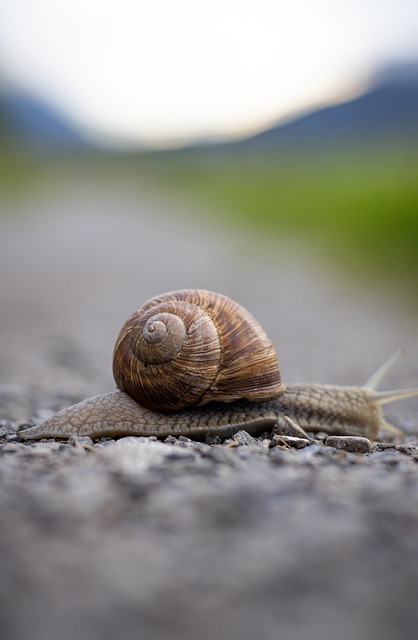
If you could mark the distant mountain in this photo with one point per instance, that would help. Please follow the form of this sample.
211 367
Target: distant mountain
387 110
29 122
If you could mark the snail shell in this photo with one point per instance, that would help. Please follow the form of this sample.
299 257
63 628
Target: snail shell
190 347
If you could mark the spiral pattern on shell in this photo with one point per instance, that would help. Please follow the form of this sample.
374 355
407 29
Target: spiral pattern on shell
190 347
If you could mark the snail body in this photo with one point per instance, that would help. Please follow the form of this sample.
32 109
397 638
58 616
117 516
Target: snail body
194 363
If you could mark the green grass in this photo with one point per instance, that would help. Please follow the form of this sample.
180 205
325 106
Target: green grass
359 208
356 208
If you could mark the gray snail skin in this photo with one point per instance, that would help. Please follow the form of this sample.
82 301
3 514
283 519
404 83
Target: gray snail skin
195 363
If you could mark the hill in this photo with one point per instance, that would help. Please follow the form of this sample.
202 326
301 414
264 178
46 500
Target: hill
388 110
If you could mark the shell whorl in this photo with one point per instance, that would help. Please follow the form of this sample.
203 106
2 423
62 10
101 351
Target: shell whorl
193 346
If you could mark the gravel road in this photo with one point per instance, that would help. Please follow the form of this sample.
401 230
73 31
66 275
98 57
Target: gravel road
182 540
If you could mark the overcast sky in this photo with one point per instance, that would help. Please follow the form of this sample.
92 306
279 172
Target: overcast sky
167 70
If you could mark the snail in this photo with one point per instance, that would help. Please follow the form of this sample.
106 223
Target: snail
194 363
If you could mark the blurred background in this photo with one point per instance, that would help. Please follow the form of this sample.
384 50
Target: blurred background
265 149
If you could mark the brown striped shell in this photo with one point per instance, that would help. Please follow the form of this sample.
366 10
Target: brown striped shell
190 347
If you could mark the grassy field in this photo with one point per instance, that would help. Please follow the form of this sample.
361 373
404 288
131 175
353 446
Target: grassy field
357 209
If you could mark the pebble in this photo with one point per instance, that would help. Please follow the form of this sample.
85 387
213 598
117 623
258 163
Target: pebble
352 444
7 426
80 441
241 438
286 427
383 446
291 441
213 439
320 436
407 449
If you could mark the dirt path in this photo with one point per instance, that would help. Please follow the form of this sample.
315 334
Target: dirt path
82 261
180 540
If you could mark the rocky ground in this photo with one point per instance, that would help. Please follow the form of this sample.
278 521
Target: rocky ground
253 537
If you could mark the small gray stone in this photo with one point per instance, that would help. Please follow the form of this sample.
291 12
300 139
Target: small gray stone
353 444
291 441
80 441
319 436
287 427
241 438
184 439
212 439
7 426
407 449
383 446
